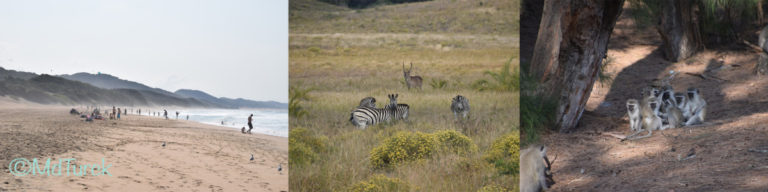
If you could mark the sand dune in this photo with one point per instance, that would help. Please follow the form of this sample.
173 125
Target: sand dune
197 157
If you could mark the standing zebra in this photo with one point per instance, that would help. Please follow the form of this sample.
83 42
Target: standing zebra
460 105
364 116
368 102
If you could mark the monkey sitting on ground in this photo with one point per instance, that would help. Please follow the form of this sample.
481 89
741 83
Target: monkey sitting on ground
697 107
535 175
649 111
633 110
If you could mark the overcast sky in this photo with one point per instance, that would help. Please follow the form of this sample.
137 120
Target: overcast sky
227 48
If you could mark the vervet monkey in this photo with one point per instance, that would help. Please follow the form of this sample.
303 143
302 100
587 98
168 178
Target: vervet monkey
674 115
682 104
633 110
535 175
697 106
649 111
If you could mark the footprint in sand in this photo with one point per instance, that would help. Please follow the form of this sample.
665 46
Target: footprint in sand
263 184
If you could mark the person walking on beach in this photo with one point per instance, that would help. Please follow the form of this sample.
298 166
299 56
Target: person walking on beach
250 125
187 117
114 111
165 114
118 113
177 115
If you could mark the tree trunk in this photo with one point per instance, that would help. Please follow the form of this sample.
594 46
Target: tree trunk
571 44
760 15
761 69
679 30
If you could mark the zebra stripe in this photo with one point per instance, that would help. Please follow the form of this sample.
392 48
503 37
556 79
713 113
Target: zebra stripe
364 116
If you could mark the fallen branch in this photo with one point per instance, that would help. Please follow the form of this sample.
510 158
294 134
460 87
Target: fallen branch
621 137
753 46
758 150
705 76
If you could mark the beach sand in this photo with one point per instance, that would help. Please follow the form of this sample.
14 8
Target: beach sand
197 157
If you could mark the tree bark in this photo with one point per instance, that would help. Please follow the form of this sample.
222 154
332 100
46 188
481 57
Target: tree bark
571 44
679 30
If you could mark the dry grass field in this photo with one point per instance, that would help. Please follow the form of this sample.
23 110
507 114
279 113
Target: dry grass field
339 56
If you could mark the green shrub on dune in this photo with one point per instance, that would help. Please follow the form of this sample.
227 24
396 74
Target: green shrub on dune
410 146
381 183
304 146
505 154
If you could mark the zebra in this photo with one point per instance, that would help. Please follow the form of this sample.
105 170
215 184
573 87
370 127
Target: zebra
364 116
368 102
460 105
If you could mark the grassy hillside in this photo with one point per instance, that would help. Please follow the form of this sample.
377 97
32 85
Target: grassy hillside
339 64
46 89
488 17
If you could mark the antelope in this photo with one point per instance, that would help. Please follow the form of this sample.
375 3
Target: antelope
411 81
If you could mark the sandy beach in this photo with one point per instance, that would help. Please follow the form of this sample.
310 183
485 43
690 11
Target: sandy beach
197 157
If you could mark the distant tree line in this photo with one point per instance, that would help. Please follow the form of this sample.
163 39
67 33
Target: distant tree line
361 4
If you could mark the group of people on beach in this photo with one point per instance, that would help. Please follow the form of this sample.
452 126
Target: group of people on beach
117 112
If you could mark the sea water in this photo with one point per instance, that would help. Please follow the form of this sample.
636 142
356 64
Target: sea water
265 121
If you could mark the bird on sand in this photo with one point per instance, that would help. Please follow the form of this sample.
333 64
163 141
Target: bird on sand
163 144
252 157
280 168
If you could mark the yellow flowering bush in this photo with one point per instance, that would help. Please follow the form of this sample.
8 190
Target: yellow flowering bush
409 146
381 183
505 154
404 146
303 146
454 141
493 188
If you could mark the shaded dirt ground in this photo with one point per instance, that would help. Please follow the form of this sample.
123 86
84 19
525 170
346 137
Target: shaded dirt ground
730 153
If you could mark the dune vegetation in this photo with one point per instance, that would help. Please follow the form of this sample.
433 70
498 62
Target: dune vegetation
334 64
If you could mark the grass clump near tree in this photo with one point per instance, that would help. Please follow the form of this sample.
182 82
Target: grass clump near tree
381 183
411 146
504 154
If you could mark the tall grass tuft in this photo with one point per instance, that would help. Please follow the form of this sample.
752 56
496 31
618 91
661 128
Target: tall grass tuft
537 112
437 83
603 77
506 79
294 103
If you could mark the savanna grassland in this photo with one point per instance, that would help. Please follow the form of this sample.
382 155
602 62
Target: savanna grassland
340 55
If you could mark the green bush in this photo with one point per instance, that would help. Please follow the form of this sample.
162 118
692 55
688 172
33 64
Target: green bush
303 147
381 183
410 146
505 154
